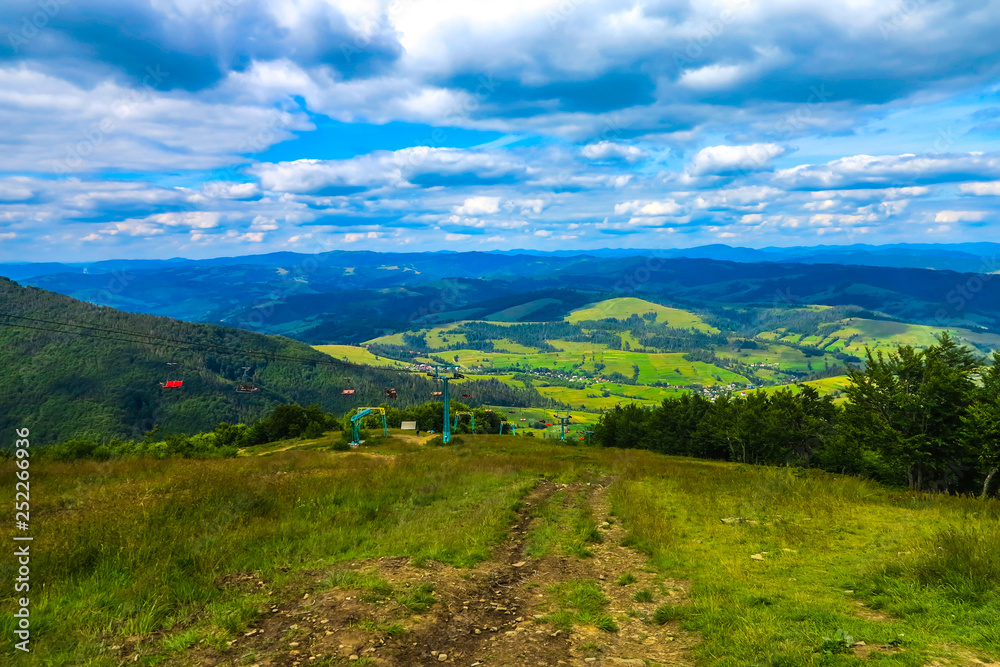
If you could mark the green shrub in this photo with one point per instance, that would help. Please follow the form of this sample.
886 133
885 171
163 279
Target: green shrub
839 643
668 612
313 430
644 595
418 600
626 579
438 441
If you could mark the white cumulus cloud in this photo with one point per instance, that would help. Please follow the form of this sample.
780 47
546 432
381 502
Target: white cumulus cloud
724 159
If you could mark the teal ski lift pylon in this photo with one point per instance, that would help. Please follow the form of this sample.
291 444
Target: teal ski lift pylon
356 423
472 419
563 417
436 374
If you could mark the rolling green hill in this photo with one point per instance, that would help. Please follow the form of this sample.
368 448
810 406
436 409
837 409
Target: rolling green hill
107 383
62 385
630 349
624 307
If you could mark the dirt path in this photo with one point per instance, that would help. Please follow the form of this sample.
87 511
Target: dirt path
492 615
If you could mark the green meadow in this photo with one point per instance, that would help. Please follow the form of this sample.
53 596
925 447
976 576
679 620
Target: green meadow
778 565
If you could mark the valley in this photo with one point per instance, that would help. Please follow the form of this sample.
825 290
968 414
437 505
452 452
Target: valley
628 349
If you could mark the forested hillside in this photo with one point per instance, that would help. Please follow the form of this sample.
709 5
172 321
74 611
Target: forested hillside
76 369
350 297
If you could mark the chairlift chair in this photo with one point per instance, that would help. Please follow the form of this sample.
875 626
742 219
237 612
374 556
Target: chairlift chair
172 384
347 392
390 392
244 385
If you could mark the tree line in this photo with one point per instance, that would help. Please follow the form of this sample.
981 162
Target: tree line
929 419
285 422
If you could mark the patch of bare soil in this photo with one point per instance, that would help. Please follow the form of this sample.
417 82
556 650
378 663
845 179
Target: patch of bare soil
866 612
414 439
482 616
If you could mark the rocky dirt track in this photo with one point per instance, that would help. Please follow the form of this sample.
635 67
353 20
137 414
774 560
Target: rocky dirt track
495 614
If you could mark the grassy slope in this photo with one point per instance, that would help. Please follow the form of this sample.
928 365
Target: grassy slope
838 553
872 333
357 355
622 308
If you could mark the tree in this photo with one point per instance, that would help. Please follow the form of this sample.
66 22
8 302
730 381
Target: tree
982 424
909 405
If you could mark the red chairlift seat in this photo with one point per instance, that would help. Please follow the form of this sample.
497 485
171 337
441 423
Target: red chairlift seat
466 395
347 392
435 393
173 384
511 412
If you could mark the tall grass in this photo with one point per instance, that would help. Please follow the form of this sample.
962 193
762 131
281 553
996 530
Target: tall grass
830 544
148 548
962 561
133 547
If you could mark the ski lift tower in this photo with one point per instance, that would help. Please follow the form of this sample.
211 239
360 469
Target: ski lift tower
472 418
437 373
356 423
563 417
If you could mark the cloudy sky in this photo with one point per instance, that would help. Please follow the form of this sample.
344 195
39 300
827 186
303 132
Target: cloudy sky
200 128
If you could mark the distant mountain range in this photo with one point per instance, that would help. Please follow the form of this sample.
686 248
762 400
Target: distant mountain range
349 297
961 257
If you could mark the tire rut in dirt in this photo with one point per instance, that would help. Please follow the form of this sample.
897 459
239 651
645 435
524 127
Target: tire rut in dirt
487 607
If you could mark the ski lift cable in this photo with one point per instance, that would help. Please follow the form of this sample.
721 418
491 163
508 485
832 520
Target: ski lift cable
136 338
149 339
165 340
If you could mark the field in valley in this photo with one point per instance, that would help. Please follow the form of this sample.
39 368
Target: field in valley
577 362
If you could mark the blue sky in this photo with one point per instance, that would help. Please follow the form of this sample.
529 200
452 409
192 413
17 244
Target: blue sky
200 128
